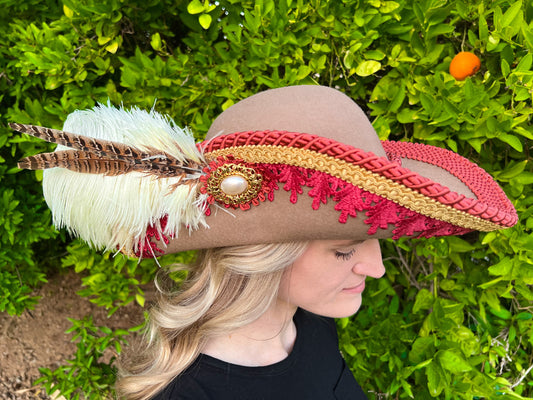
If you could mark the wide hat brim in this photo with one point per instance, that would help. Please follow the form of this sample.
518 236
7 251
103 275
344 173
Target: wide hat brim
307 165
419 190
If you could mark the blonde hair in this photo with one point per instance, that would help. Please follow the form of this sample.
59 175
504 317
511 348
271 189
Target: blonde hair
226 288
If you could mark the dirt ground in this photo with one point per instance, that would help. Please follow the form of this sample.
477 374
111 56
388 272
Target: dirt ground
37 338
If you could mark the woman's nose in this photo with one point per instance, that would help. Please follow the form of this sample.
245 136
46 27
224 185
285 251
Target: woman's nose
370 262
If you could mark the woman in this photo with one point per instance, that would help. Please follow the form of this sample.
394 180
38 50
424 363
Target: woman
248 327
287 198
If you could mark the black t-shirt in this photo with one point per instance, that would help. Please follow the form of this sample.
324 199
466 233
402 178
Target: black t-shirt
314 369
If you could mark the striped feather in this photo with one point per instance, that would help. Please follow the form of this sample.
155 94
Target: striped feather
77 161
100 147
99 156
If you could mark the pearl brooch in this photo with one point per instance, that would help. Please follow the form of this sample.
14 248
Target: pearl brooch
234 184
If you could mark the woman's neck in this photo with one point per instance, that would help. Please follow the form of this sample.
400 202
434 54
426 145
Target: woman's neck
267 340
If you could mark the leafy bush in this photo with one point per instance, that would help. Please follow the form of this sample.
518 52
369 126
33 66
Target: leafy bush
453 316
86 375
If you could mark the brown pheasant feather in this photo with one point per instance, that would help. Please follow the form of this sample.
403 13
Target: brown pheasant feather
99 156
78 161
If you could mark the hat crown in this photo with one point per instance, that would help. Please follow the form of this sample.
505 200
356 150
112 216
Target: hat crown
315 110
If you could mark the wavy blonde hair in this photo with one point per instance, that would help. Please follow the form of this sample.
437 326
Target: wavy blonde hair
226 288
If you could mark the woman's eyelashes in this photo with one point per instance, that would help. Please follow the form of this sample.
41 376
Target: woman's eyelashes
345 256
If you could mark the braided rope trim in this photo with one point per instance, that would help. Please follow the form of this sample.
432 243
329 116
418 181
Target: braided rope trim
475 177
358 176
492 206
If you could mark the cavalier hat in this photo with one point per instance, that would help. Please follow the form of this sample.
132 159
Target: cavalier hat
288 164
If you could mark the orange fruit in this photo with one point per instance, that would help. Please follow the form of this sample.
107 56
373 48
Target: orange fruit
464 64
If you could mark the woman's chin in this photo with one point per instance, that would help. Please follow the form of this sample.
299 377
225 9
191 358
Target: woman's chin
342 310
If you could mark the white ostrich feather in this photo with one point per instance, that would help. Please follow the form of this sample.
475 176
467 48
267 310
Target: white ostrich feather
113 212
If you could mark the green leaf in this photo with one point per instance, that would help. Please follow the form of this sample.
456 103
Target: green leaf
453 361
155 41
491 283
524 132
398 99
227 104
436 379
501 313
139 298
524 316
421 349
350 349
68 12
348 59
343 322
388 6
205 20
459 245
367 68
528 35
424 300
505 68
394 304
483 28
525 178
511 13
502 268
440 29
195 7
511 172
113 47
303 71
406 115
525 63
375 55
493 42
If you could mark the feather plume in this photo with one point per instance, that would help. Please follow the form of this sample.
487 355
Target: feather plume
78 161
120 171
100 156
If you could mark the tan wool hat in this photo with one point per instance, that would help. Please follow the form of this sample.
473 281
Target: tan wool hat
288 164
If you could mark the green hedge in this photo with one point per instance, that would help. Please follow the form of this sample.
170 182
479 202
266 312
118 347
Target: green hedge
452 318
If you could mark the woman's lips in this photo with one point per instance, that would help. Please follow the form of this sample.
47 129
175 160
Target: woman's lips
355 289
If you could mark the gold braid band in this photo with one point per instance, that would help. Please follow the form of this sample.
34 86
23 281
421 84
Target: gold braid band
358 176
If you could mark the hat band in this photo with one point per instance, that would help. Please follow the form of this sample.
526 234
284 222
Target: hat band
358 176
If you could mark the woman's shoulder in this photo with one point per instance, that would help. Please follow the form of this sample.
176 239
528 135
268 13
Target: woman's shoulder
184 387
